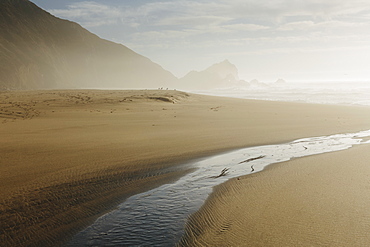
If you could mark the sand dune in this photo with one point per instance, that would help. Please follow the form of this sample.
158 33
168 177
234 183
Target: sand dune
68 156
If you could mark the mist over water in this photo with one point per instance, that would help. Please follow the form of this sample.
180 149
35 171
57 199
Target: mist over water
338 93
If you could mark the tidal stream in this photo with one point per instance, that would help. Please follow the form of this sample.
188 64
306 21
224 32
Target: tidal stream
157 217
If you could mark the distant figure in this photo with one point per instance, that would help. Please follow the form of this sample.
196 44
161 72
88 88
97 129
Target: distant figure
252 168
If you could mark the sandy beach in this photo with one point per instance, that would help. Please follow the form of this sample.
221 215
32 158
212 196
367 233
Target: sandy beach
321 200
69 156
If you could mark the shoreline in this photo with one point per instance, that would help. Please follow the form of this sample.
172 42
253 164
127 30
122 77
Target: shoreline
139 222
82 146
310 201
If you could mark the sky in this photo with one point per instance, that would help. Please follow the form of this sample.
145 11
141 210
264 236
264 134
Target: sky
296 40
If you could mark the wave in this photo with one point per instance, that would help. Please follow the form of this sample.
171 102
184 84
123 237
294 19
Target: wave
337 93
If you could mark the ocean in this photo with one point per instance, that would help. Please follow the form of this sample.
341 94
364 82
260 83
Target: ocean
337 93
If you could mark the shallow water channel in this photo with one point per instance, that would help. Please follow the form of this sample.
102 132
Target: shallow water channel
157 217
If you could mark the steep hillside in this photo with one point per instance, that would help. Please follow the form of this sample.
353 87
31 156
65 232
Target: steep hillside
38 50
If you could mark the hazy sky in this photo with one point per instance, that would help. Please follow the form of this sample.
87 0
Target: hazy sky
265 39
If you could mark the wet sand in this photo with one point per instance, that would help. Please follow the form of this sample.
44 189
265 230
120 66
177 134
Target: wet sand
320 200
69 156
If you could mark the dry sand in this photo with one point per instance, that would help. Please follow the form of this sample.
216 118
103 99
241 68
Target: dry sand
68 156
321 200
